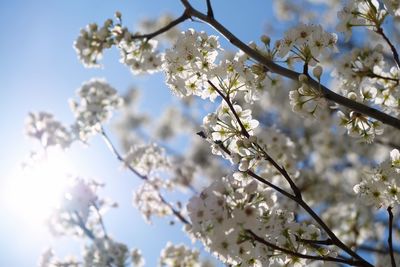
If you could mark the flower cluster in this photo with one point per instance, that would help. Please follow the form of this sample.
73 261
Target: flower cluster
382 187
190 62
97 100
358 125
50 132
140 55
179 255
137 258
147 159
48 259
363 77
92 41
307 43
148 200
306 100
106 252
225 213
359 13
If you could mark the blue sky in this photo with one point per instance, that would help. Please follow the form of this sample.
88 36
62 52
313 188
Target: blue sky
40 71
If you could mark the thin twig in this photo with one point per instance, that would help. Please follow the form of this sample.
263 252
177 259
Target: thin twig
281 170
166 28
304 256
392 47
383 250
141 176
229 103
100 220
390 241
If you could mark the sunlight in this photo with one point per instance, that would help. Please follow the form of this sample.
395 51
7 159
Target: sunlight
36 189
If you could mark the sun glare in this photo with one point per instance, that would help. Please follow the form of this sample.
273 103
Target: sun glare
36 189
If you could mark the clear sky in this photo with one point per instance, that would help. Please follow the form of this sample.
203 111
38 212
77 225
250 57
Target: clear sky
40 71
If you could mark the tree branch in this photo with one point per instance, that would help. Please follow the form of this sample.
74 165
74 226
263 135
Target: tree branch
394 51
275 68
166 28
141 176
304 256
210 12
390 241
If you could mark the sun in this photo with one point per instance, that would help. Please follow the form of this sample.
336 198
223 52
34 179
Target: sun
34 191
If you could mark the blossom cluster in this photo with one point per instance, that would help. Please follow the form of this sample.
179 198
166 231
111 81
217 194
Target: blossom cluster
360 13
382 187
149 202
364 76
106 252
179 255
147 159
190 62
138 54
307 101
307 43
45 128
97 101
230 207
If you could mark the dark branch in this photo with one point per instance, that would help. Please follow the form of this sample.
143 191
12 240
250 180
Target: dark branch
304 256
166 28
394 51
210 11
390 241
229 103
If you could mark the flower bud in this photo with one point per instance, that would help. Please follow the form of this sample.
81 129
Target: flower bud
265 39
317 72
303 78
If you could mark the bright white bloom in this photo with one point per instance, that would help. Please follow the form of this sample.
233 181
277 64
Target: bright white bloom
191 62
97 100
382 187
307 41
179 255
47 130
